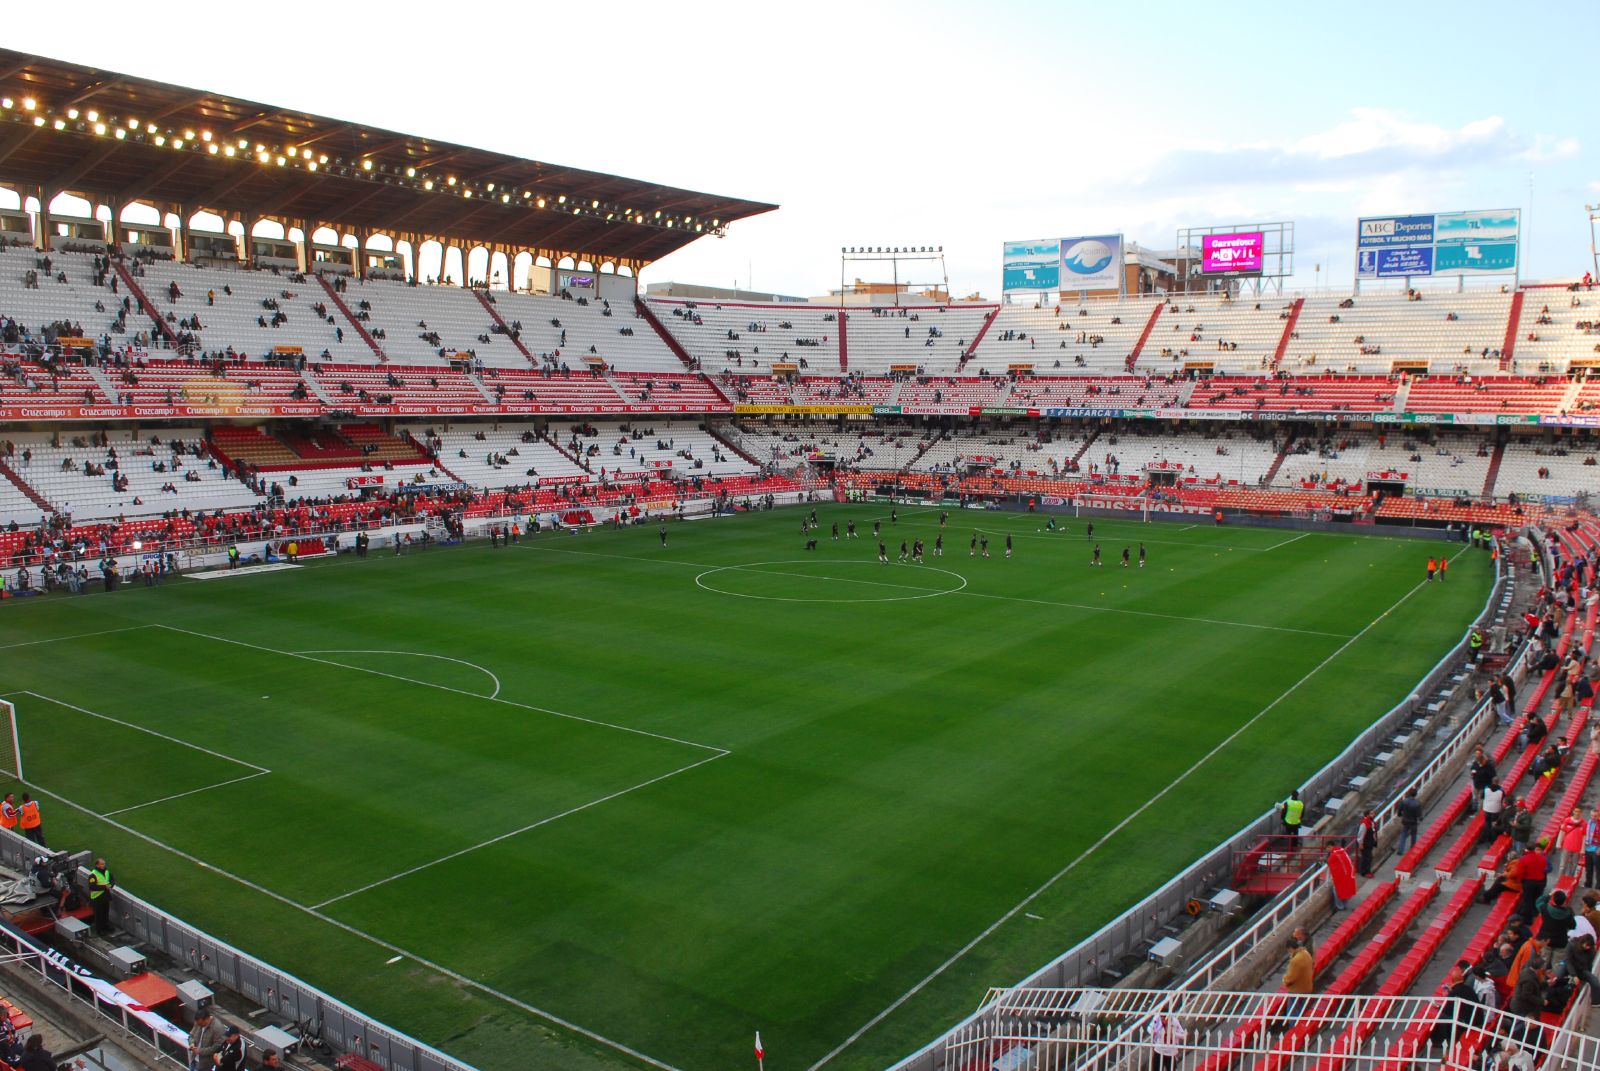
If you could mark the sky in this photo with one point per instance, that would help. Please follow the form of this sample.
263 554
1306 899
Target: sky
944 124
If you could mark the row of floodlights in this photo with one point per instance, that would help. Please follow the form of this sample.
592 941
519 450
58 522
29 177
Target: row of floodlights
894 249
205 142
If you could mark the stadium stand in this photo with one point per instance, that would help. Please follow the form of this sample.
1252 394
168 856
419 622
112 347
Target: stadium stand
1559 327
251 312
616 334
64 292
933 338
1373 333
1096 337
743 338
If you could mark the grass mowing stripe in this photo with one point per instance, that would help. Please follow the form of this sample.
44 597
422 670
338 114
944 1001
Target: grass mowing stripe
755 567
445 688
77 636
142 729
1112 832
517 832
387 946
191 792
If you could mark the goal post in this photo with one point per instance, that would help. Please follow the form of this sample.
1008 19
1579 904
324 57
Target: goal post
1133 507
10 742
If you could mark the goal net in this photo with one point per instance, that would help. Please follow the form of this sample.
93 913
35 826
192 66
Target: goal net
1133 507
10 742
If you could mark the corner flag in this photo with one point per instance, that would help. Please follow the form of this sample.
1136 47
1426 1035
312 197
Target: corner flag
761 1053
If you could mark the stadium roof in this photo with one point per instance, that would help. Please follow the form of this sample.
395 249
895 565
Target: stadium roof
66 127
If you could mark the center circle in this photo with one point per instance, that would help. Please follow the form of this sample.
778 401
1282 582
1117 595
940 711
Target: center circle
885 587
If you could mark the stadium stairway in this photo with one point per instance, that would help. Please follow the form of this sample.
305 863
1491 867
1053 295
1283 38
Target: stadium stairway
1513 325
582 463
494 314
844 343
731 446
1288 331
983 329
344 310
648 314
162 327
26 488
108 390
1277 462
1495 458
1144 336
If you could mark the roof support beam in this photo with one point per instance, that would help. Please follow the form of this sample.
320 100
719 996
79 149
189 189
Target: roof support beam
71 175
145 183
16 141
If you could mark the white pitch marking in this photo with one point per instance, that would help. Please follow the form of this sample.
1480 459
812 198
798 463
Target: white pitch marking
447 688
78 636
1112 832
387 946
140 728
191 792
1286 542
515 832
964 591
752 567
419 654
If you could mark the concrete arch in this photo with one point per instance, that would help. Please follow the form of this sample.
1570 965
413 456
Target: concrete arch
10 199
521 267
325 236
476 266
608 268
207 221
454 267
269 228
70 204
142 214
429 260
566 262
499 270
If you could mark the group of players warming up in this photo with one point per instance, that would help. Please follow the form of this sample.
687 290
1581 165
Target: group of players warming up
914 551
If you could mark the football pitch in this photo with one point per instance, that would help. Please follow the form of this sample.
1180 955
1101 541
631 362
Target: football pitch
610 801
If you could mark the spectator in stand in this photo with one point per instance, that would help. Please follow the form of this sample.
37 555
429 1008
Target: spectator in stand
35 1057
1494 799
1410 811
1467 1013
1578 964
1483 773
1557 916
1366 842
231 1055
205 1041
1297 979
1528 993
1533 869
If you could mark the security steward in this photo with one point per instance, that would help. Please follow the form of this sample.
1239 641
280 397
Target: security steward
101 882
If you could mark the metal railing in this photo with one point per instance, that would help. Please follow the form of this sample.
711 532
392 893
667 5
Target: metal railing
1051 1030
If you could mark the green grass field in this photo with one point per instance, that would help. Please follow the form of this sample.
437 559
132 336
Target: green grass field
676 795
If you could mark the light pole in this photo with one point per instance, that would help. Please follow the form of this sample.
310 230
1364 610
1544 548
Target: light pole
1594 218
